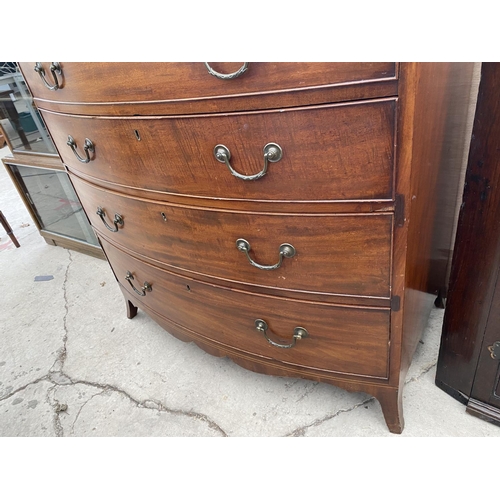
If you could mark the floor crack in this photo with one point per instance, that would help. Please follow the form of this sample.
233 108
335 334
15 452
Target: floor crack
59 378
81 408
19 389
148 404
62 352
56 405
427 369
199 416
300 431
308 390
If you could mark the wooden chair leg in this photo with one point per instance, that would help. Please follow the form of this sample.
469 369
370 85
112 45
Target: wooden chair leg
7 228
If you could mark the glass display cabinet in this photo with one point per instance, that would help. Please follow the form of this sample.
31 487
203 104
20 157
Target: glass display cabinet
37 171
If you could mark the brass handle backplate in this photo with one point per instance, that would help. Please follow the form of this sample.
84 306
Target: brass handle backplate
118 220
88 145
298 334
55 69
285 250
272 153
145 288
229 76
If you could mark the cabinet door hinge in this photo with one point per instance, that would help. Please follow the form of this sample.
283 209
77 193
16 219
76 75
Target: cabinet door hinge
395 303
495 350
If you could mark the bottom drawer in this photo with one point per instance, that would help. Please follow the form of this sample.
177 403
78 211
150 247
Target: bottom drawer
340 339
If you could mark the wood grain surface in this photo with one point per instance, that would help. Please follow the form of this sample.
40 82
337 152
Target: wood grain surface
341 339
335 254
96 82
336 152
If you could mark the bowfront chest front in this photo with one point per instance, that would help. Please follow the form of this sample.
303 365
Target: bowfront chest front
287 215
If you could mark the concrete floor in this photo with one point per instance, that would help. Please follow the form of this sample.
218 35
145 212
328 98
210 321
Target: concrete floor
72 364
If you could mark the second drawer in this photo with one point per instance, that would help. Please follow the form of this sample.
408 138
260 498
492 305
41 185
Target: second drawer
318 153
348 254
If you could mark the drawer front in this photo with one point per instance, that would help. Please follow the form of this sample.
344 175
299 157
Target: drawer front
335 152
136 82
334 254
341 339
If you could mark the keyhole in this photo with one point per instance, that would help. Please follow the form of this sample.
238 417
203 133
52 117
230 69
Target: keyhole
164 216
137 136
188 288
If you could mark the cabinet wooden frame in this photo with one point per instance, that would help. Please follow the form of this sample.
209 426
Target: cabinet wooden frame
49 162
467 369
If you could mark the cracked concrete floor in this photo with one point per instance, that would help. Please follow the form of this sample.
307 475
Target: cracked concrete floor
72 364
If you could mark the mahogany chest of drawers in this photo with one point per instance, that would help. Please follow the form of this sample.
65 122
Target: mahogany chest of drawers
286 215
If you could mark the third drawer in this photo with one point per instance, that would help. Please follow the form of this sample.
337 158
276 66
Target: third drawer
344 254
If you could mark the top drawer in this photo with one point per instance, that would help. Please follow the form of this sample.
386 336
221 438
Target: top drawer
105 83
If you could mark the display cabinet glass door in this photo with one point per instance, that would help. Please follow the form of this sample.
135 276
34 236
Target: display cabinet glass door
54 202
22 124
